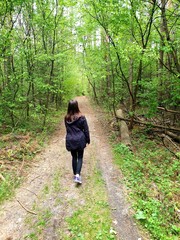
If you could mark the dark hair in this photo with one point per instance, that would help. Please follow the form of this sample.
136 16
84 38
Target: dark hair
73 111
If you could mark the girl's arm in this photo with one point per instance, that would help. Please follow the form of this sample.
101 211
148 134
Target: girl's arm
86 131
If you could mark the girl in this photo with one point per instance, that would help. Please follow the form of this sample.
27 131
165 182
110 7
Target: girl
77 136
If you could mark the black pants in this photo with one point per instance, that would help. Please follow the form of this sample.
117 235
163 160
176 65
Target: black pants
77 160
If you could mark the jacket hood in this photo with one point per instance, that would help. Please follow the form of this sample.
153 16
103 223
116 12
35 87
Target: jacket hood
75 119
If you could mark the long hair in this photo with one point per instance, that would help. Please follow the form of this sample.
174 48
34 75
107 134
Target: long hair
73 111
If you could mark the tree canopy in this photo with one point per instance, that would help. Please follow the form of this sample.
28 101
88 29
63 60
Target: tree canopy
119 51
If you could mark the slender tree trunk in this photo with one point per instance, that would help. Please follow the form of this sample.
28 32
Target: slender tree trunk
161 66
52 63
172 56
130 82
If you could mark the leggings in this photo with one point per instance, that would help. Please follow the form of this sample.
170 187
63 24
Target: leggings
77 160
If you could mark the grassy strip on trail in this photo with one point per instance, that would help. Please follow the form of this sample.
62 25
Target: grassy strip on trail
18 148
91 217
151 174
92 220
49 200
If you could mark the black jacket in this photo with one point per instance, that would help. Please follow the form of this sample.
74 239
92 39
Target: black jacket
77 134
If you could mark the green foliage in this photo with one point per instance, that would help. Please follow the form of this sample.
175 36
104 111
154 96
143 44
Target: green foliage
151 176
125 56
38 69
75 84
47 56
7 186
148 96
43 219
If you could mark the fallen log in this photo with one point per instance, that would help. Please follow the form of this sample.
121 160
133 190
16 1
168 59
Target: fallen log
124 131
170 145
150 124
173 135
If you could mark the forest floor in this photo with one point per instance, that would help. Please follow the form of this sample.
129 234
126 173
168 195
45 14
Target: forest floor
52 167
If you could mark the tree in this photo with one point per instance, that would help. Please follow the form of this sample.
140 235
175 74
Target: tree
36 46
130 29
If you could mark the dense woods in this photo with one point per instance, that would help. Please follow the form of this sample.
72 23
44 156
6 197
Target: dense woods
128 51
138 54
36 48
125 54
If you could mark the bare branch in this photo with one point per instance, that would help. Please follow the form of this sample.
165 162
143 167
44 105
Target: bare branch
27 210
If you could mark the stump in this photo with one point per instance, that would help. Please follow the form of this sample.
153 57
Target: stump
124 131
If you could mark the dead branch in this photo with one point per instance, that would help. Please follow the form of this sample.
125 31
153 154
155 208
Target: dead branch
27 210
20 170
31 191
35 178
7 167
174 136
150 124
168 110
170 145
2 178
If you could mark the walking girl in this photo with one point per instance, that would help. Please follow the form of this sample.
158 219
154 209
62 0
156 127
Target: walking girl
77 136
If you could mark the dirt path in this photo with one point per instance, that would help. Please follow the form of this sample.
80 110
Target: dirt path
54 166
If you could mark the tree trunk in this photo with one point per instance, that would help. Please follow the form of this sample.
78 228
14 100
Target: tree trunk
124 131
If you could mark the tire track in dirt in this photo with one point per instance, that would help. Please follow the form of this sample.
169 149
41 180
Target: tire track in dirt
37 192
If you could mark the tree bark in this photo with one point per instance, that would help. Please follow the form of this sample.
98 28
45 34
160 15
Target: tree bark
173 135
124 131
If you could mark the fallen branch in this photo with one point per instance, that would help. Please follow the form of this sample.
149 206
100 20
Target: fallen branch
27 210
174 136
170 145
22 165
1 176
35 178
150 124
31 191
168 110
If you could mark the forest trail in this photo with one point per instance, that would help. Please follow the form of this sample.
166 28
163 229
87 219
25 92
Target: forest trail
54 165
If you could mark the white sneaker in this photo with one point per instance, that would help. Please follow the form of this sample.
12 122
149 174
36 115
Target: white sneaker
78 179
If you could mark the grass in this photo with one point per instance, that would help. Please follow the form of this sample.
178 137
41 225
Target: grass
37 224
42 220
8 186
92 220
151 174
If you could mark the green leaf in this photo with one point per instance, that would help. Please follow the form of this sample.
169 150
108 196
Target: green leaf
140 215
176 229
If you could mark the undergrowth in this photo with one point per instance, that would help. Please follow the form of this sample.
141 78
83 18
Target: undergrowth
17 149
8 186
151 174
